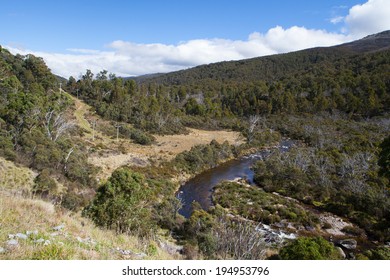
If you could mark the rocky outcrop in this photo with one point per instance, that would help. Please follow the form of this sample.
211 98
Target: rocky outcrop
341 253
349 244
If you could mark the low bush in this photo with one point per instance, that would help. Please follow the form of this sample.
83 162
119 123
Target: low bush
123 203
307 248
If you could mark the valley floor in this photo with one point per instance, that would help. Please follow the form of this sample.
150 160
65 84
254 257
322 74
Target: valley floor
109 154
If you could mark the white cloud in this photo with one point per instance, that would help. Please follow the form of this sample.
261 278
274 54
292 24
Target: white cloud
337 19
370 17
128 58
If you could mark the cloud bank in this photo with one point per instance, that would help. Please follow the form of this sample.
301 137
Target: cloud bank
130 59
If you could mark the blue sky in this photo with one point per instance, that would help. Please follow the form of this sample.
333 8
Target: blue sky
144 36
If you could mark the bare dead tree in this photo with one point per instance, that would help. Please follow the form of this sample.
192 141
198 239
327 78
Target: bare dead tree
161 120
3 74
71 150
239 240
117 131
252 123
56 125
355 165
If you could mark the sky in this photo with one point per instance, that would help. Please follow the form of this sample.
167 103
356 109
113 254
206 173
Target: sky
132 38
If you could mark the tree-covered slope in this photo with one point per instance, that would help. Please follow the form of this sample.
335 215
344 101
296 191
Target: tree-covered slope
37 130
274 67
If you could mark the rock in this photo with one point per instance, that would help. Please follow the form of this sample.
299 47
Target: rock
126 252
2 250
21 236
11 236
170 248
32 232
280 225
309 228
131 253
291 227
12 242
87 240
349 244
40 240
140 255
341 253
58 228
47 242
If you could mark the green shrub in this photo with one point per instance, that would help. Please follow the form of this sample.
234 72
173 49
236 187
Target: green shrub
123 203
352 230
45 185
203 157
307 248
137 135
381 253
73 201
53 252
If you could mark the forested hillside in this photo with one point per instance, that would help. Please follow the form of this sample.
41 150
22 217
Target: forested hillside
349 78
353 78
37 130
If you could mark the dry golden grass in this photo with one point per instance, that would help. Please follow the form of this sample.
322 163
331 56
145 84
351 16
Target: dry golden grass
79 238
15 178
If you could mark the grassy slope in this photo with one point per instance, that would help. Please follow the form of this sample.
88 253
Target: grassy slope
78 238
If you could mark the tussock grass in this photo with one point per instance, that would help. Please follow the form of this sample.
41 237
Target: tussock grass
78 237
16 179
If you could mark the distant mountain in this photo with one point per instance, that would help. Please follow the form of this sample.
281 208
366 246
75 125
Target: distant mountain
145 77
273 67
371 43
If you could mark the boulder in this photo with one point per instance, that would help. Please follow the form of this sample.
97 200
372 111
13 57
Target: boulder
2 250
40 240
341 253
349 244
12 242
21 236
32 232
58 228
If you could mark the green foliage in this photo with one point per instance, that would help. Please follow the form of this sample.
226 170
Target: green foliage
384 158
123 203
35 127
336 170
139 136
381 253
309 81
202 157
307 248
257 205
53 252
167 213
45 185
218 236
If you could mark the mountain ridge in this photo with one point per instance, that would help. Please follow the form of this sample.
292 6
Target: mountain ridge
263 65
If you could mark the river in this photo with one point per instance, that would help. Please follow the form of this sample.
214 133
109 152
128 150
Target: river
200 187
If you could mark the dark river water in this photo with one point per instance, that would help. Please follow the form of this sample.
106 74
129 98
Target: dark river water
200 187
